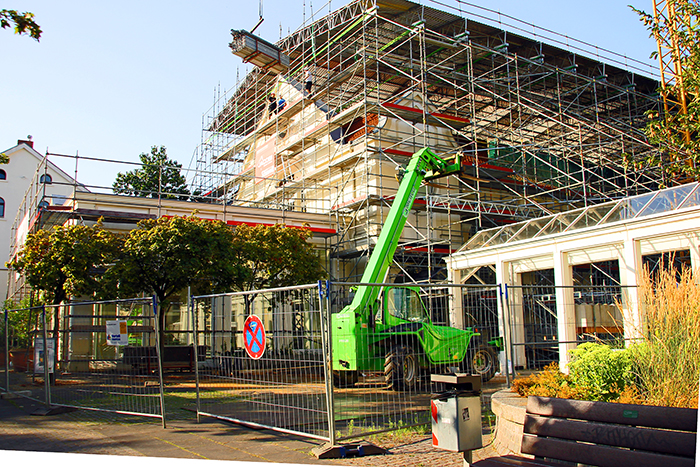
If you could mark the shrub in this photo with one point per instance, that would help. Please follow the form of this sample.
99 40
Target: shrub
605 372
550 382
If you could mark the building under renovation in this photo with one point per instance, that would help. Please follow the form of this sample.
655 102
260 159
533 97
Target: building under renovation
331 113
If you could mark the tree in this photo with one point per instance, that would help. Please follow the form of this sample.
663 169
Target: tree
274 256
164 256
676 132
23 22
158 177
67 260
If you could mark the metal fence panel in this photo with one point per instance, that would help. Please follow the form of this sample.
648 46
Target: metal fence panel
22 328
264 363
593 313
107 357
383 356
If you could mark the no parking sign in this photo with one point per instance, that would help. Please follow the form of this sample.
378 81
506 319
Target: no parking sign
254 333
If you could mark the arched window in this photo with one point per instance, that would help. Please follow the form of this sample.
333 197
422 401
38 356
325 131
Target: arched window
2 207
46 178
3 175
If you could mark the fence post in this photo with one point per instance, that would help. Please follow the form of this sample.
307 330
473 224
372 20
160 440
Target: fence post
7 352
510 331
328 357
47 386
156 307
190 304
506 338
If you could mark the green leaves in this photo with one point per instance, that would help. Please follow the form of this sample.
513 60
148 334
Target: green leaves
275 256
164 256
676 132
157 177
604 371
23 22
66 260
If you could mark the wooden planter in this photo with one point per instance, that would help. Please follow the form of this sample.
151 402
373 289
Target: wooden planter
22 360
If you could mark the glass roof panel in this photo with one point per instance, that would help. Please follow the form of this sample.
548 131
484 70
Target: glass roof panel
641 205
667 200
479 239
568 217
592 216
505 234
694 198
620 212
635 204
554 227
532 228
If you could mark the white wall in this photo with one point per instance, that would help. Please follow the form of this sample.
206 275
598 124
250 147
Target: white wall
20 174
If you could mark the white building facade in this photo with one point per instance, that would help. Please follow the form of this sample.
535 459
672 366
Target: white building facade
623 233
27 174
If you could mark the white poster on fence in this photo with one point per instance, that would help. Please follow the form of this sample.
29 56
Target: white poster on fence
117 333
40 356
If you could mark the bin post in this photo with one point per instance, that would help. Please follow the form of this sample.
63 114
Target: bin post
456 414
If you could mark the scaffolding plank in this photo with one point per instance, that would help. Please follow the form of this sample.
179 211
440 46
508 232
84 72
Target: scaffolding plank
259 52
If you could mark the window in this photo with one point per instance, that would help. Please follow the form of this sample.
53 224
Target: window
406 304
3 175
2 207
46 178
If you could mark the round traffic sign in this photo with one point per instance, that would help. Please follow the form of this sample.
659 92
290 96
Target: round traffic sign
254 333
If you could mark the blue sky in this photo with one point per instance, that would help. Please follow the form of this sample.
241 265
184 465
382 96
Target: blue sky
111 79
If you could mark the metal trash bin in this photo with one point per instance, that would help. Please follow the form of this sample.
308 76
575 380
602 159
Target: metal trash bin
456 413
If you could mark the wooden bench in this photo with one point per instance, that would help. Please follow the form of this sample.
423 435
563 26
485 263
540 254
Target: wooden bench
603 434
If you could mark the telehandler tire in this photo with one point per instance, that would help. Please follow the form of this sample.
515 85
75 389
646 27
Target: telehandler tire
401 369
345 379
483 362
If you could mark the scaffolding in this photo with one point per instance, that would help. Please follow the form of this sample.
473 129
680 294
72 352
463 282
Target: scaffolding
540 129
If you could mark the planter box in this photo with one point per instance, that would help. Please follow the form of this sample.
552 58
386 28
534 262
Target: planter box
22 360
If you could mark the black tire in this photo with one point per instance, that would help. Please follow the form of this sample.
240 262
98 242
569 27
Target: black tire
483 361
401 369
344 379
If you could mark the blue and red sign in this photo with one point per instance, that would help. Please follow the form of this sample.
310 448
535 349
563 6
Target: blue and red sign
254 333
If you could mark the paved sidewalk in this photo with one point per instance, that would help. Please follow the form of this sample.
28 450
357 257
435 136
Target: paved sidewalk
90 432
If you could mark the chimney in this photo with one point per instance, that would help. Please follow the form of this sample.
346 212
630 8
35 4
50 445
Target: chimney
27 141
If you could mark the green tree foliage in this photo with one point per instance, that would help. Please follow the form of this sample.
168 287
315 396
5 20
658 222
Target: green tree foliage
19 320
67 260
23 23
157 177
164 256
679 157
275 256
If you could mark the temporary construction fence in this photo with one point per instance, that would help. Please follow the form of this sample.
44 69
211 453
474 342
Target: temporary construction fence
100 355
297 360
266 365
543 320
308 360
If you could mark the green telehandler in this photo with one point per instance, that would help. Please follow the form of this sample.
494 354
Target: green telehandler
388 328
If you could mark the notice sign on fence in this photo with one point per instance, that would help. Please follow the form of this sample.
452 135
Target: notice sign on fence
117 333
41 357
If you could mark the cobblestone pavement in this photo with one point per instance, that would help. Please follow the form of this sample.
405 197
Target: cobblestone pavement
105 433
90 432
